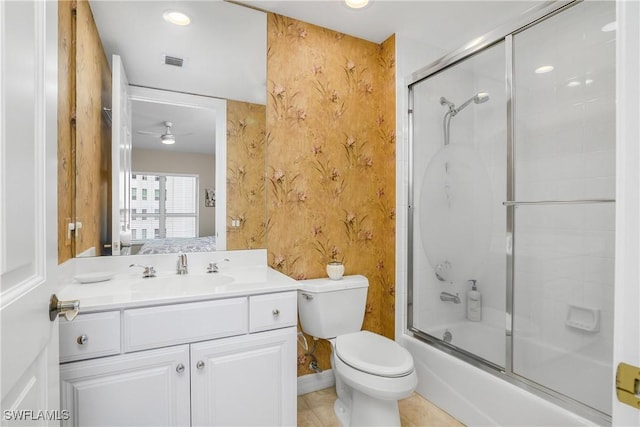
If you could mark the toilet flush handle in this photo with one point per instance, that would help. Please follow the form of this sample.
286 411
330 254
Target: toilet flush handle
307 296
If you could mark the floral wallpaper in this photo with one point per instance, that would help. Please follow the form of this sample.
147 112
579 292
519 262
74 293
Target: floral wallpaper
246 197
331 162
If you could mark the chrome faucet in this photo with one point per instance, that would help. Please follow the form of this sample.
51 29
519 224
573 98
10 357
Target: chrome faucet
213 266
181 266
446 296
149 271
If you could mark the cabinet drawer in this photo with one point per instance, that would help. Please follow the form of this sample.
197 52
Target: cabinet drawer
90 335
272 311
183 323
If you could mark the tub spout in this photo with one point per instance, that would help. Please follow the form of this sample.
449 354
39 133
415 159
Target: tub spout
446 296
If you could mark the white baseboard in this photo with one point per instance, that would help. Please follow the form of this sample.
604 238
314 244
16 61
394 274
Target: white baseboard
314 382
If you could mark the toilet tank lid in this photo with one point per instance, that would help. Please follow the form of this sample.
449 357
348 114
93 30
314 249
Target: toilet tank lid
327 285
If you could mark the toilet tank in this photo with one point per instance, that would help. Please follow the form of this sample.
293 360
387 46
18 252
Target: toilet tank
328 308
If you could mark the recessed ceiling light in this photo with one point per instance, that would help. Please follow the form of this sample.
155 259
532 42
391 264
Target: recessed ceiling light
573 83
588 81
356 4
611 26
176 17
544 69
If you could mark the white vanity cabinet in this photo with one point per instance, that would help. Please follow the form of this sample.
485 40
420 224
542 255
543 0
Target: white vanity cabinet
220 362
246 381
148 388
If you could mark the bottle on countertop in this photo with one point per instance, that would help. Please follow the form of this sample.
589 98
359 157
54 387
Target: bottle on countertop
474 303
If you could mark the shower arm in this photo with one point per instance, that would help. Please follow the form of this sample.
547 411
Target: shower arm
479 98
446 125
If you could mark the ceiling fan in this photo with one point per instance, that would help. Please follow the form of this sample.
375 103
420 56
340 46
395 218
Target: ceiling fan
167 137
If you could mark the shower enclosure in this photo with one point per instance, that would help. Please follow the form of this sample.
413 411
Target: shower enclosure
512 188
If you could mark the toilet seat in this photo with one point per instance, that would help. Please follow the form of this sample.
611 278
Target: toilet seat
373 354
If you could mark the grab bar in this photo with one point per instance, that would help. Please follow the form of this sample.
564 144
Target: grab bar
557 202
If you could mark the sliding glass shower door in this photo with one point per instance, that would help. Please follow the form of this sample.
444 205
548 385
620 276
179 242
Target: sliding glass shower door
512 191
564 172
460 152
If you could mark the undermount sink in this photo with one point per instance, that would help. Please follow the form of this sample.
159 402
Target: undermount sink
185 281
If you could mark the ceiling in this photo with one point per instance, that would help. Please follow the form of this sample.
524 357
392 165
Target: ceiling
446 25
224 47
194 128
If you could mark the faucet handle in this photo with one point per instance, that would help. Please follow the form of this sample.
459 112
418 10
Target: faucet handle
149 271
213 265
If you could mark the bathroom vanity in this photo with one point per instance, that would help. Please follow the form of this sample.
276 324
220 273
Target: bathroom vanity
195 349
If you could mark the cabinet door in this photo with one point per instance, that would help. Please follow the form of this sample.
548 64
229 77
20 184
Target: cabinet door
245 381
149 388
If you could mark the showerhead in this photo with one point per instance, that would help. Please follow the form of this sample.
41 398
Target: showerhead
478 98
481 98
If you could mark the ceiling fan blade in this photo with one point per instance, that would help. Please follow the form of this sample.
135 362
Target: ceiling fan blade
144 132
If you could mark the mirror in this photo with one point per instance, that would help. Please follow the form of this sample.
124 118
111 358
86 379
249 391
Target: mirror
222 56
178 155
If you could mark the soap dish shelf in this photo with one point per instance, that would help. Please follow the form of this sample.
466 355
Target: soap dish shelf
583 318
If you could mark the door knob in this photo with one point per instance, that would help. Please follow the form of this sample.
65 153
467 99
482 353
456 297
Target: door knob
200 364
67 309
180 368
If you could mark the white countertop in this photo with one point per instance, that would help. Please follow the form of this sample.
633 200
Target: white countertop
127 288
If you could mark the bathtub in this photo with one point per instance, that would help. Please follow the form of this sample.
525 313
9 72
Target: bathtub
481 339
477 397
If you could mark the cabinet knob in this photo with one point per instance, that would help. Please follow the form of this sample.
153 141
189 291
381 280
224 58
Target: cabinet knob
200 364
82 339
180 368
275 312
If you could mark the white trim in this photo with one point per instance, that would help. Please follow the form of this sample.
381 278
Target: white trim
29 275
626 342
221 177
314 382
3 155
42 130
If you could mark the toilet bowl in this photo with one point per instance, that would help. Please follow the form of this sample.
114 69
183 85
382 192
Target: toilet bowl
372 372
378 372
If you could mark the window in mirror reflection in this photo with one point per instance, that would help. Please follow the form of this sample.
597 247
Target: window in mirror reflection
167 206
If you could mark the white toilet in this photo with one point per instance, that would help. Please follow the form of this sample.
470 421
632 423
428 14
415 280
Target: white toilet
372 372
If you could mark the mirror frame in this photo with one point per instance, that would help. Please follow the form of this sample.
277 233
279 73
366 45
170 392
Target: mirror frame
219 108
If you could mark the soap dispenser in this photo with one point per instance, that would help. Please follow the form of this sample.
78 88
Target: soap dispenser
474 303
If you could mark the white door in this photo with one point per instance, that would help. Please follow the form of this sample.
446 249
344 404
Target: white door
28 211
244 381
145 388
120 154
627 285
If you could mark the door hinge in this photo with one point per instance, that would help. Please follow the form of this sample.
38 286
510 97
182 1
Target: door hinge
628 384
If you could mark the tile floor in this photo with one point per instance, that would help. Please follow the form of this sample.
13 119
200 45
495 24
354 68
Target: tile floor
316 410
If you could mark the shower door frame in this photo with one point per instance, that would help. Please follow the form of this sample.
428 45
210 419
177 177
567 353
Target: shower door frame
504 34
